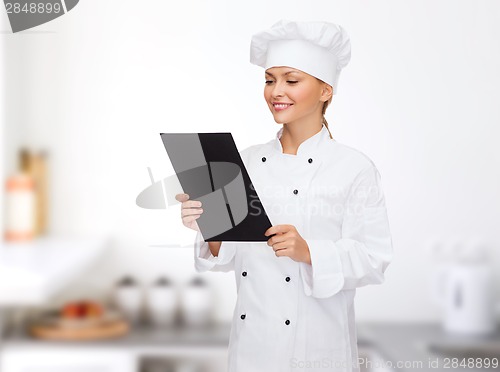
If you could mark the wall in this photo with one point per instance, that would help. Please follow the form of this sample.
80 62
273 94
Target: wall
419 97
2 118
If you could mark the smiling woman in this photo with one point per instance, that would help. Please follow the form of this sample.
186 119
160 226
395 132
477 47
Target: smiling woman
295 98
330 233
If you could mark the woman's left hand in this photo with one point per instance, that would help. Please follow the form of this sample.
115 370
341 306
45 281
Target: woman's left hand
288 242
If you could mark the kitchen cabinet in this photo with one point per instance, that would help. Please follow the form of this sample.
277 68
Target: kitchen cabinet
383 347
61 359
144 349
406 347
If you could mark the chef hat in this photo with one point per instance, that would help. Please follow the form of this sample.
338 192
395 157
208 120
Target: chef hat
320 49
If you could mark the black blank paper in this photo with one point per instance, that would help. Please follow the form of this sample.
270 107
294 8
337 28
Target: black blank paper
210 169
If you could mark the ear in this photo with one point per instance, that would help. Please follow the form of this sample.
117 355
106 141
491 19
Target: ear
326 92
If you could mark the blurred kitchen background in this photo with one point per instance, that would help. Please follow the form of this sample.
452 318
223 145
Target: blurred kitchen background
96 283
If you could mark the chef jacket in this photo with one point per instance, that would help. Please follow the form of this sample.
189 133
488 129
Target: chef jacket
296 316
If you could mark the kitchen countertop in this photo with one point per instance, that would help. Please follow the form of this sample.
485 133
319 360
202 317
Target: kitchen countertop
409 343
141 339
406 343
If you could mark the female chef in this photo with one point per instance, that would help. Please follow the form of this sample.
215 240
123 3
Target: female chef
295 305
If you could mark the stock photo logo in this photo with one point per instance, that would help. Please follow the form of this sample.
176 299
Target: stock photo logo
209 169
218 185
26 14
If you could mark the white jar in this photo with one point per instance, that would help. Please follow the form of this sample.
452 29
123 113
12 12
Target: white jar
162 303
196 303
129 299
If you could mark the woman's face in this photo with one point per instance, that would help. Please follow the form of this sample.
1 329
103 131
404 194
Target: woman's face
294 95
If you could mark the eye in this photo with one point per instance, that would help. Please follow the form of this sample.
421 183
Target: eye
292 81
268 82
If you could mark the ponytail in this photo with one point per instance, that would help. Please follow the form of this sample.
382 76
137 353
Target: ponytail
325 105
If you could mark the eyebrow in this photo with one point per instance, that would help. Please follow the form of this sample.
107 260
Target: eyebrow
286 73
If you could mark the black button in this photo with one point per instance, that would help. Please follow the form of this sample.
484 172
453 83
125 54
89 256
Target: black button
242 316
310 160
287 278
263 158
287 322
244 273
295 191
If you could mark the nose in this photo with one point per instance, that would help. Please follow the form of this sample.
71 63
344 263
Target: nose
278 90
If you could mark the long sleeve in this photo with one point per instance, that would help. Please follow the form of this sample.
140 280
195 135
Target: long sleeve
365 249
204 260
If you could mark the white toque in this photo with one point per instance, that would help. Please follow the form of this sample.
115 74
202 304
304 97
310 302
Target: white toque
320 49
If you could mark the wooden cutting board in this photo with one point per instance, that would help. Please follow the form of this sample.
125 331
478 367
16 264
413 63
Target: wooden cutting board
110 329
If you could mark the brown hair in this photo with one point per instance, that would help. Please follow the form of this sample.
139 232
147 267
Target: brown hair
325 105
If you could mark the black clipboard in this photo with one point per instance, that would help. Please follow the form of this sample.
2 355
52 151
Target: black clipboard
209 169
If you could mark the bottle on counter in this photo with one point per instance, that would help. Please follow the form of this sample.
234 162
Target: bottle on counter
20 203
26 198
38 171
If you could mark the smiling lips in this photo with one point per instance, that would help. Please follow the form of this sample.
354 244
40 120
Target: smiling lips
279 106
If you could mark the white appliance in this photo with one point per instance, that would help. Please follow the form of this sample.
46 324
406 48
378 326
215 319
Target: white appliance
463 288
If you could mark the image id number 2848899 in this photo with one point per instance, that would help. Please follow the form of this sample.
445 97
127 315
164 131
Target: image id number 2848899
470 362
33 8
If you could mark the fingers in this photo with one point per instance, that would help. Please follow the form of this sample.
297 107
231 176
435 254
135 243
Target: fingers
186 203
283 244
191 207
277 239
282 253
285 241
279 229
191 211
191 204
182 197
188 219
280 246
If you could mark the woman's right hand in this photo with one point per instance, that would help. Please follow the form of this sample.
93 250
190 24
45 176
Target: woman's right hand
190 211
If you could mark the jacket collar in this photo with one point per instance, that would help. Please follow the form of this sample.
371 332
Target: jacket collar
309 146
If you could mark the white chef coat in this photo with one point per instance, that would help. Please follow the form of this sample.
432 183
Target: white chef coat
295 316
